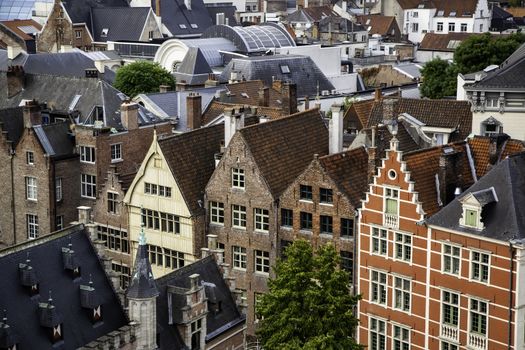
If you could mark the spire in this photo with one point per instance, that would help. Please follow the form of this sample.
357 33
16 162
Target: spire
142 284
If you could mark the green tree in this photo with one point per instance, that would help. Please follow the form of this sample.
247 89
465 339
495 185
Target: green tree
142 77
309 304
439 79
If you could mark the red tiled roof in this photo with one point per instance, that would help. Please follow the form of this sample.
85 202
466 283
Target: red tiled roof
461 7
379 24
442 42
14 26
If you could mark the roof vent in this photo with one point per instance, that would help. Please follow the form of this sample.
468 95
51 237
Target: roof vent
8 337
69 260
48 314
28 277
88 297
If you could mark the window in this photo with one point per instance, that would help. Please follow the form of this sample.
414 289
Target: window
78 34
401 338
470 217
306 221
97 314
403 246
113 238
415 14
151 34
478 316
239 216
481 28
157 162
155 255
116 152
88 186
377 334
164 222
58 189
261 220
451 258
87 154
402 294
194 26
448 346
463 27
452 27
59 222
164 191
150 188
217 213
173 259
112 202
182 26
347 262
450 308
104 33
391 201
325 195
124 273
32 226
262 261
30 158
238 178
31 188
379 241
305 192
415 27
439 27
196 334
239 258
378 287
479 265
326 224
56 333
285 69
287 217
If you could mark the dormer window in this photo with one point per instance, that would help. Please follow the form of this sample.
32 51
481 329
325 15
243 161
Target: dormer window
104 33
471 217
57 333
97 314
473 204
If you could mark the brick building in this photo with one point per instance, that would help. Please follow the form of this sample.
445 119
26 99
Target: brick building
396 253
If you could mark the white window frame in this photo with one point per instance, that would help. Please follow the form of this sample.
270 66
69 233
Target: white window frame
382 241
261 220
238 178
401 292
451 305
415 27
451 27
480 265
463 220
403 247
58 189
88 181
478 311
391 194
377 327
87 154
445 345
32 226
30 158
439 27
116 152
380 286
398 340
217 213
239 216
464 27
452 257
114 200
31 188
239 258
262 262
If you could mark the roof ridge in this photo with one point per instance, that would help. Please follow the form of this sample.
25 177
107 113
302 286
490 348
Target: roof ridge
282 119
184 269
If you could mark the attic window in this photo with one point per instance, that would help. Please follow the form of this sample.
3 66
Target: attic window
471 217
285 69
452 14
182 26
97 314
194 26
441 13
104 33
421 6
57 333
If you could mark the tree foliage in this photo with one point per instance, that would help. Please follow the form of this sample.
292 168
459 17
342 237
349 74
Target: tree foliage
472 55
142 77
309 305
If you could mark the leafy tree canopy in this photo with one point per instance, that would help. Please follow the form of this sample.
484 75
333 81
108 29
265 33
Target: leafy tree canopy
439 79
309 305
142 77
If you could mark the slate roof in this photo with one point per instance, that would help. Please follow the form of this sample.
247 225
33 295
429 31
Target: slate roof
443 42
229 13
311 14
56 139
210 274
303 72
194 69
123 23
68 64
46 259
504 219
80 10
378 24
349 170
435 113
284 147
142 284
190 157
174 14
12 122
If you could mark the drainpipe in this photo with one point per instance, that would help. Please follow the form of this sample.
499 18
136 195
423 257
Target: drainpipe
511 287
13 207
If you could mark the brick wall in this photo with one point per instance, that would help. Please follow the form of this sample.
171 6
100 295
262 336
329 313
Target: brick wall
47 39
6 213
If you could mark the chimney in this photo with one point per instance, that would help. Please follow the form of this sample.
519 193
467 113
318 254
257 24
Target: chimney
157 8
193 110
188 4
212 81
289 98
447 178
496 144
164 88
129 115
84 215
264 97
15 80
219 18
277 84
91 73
306 103
372 155
232 123
388 111
194 281
335 130
181 86
32 114
378 95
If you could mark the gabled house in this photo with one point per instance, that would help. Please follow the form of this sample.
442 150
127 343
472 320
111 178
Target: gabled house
19 36
437 45
385 26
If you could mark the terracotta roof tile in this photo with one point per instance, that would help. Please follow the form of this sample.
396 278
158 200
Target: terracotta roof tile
480 147
442 42
516 11
461 7
191 158
283 148
349 170
216 108
379 24
14 26
359 112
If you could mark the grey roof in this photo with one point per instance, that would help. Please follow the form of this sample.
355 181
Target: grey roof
142 285
79 10
70 64
216 323
254 38
55 139
182 22
4 61
121 23
48 269
503 216
303 72
411 70
227 10
12 122
210 48
194 63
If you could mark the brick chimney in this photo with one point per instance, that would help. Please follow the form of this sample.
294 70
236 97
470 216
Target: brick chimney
193 110
164 88
264 97
497 142
289 98
129 115
335 130
378 95
32 114
306 103
157 8
15 80
232 123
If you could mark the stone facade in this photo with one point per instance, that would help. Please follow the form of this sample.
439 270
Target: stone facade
57 33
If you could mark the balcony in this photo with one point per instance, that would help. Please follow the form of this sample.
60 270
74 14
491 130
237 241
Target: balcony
449 332
391 220
477 341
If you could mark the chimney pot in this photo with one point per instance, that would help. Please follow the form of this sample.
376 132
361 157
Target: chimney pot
164 88
32 114
129 115
194 110
336 129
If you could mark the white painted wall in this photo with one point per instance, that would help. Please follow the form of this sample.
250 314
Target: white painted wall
425 56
